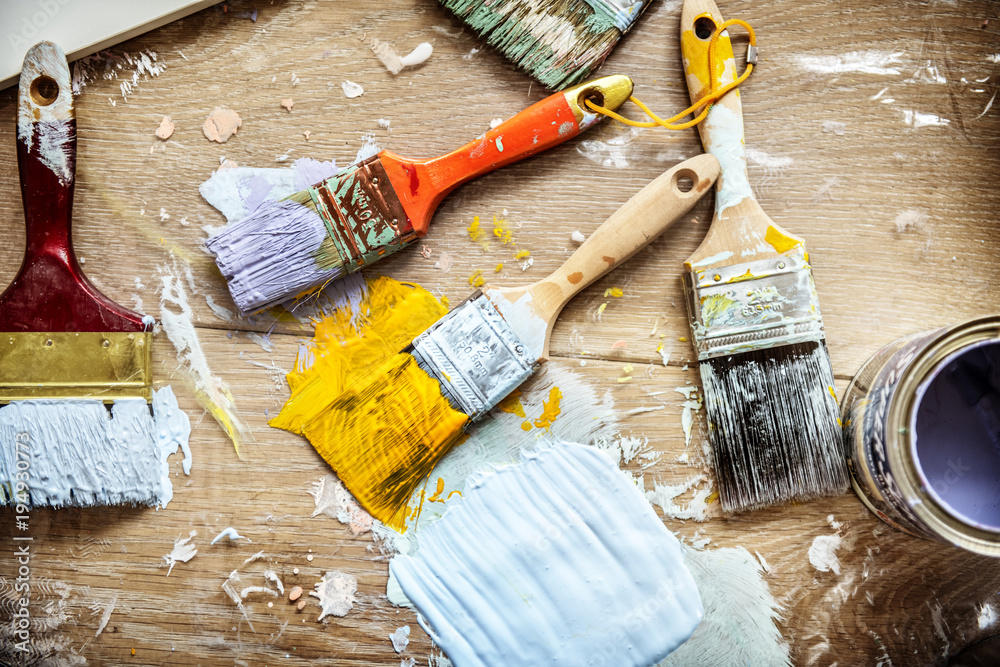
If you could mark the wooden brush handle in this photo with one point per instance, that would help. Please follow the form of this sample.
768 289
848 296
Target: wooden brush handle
422 184
50 292
741 231
645 216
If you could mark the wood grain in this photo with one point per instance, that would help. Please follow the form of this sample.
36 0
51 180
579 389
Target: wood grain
828 163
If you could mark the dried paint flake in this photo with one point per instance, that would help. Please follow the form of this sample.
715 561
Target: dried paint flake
164 216
287 103
910 219
106 615
221 124
306 134
231 534
444 262
295 594
527 264
272 576
495 123
476 279
663 496
393 62
619 344
400 639
351 89
823 553
335 592
165 129
333 500
425 251
521 254
502 231
577 237
614 292
499 268
834 127
183 551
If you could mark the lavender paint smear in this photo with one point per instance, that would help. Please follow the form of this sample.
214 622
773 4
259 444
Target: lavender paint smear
528 569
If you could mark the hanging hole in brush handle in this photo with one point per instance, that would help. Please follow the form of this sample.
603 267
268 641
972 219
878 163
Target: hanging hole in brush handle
704 26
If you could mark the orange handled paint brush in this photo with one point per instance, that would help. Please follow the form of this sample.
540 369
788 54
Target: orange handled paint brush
755 317
384 434
382 204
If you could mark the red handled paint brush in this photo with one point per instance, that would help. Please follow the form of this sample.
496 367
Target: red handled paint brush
380 205
755 319
63 344
385 433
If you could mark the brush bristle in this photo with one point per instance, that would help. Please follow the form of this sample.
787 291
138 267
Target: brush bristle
279 251
385 434
557 42
774 426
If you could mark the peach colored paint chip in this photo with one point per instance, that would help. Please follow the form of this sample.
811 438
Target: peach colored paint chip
221 124
301 605
295 593
619 344
306 134
165 129
287 103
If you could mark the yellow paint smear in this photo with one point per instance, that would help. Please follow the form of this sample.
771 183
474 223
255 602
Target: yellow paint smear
478 235
613 292
498 268
436 498
501 230
779 240
384 435
738 279
476 279
550 409
512 404
600 309
521 254
526 426
347 345
715 307
696 70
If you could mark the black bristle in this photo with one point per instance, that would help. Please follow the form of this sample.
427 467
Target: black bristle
774 426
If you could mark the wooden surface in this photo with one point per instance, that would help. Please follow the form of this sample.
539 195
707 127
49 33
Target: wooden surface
829 163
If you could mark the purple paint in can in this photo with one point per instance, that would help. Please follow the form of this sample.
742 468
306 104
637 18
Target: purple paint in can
922 434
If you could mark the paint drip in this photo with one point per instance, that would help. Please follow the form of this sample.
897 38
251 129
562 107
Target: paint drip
79 454
177 320
531 539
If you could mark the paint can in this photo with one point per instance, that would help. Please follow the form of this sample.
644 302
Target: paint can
922 434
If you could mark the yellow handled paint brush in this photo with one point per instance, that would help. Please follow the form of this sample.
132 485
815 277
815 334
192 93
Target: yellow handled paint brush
384 434
755 318
65 348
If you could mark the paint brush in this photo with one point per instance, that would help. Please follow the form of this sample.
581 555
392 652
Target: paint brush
755 318
385 433
376 207
65 348
558 42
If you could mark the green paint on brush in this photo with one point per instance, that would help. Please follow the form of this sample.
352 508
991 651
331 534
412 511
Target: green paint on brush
557 42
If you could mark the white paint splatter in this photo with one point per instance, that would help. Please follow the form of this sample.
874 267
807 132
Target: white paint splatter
865 62
909 219
182 552
351 89
823 553
986 616
230 533
916 119
106 615
662 495
335 592
834 127
333 500
400 639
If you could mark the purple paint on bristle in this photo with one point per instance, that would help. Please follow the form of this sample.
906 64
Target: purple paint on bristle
271 254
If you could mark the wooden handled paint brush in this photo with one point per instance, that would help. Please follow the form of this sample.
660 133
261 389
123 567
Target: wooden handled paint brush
755 318
385 434
380 205
61 340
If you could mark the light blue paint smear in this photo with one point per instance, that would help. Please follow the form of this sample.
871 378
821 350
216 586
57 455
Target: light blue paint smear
557 560
73 452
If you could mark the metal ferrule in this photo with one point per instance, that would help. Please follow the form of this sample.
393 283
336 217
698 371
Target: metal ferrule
610 91
475 355
362 214
753 306
622 13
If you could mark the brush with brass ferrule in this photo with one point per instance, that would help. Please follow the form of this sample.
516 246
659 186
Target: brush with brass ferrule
288 248
75 367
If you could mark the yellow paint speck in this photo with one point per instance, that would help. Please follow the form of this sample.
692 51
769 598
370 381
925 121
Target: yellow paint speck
521 254
627 378
712 497
683 339
613 292
476 279
526 426
512 404
628 368
476 234
600 310
498 268
550 409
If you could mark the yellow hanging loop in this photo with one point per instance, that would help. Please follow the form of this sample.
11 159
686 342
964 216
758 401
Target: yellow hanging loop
714 94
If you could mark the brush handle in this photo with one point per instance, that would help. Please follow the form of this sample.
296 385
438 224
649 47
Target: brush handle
50 292
741 231
422 184
645 216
